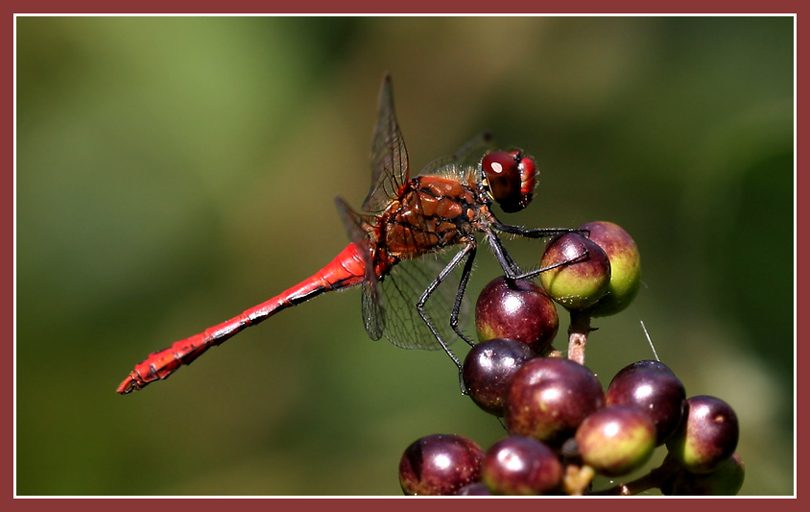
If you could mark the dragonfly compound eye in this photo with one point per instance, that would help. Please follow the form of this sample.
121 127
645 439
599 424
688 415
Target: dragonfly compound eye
510 176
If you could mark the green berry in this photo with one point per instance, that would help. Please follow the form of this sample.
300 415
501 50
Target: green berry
583 274
707 436
616 440
625 266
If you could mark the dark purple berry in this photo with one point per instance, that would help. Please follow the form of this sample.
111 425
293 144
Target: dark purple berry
644 364
707 435
616 440
725 480
440 464
519 310
584 275
549 397
625 266
651 387
521 465
488 369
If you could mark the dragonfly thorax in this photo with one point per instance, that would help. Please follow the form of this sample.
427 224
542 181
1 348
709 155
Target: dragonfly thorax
430 214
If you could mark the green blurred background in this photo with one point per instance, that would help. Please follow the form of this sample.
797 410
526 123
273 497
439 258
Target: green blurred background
172 172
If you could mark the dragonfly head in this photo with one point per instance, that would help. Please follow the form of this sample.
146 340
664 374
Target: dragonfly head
509 177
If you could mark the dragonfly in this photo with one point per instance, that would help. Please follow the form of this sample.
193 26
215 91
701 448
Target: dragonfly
399 252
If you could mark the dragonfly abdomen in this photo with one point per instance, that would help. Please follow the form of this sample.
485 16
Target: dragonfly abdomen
347 269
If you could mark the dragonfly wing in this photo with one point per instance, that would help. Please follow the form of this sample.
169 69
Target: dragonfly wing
464 162
471 153
401 291
389 157
373 312
360 227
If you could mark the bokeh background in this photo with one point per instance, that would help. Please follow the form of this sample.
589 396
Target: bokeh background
172 172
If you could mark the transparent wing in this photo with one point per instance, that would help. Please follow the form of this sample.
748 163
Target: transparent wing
464 162
389 157
373 311
401 291
360 229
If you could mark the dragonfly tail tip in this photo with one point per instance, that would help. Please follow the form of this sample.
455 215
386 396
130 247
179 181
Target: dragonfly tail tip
128 386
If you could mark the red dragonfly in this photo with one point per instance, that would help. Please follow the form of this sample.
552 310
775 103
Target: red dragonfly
396 253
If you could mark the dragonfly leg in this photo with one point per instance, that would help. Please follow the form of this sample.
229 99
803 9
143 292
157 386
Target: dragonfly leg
462 287
532 273
511 269
502 255
420 305
537 232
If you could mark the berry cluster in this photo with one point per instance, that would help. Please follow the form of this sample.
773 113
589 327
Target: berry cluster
563 429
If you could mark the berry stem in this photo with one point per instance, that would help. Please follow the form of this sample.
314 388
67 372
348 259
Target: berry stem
652 480
578 335
577 479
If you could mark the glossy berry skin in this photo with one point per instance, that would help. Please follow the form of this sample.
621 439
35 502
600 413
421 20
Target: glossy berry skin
707 435
488 369
616 440
519 310
549 397
651 387
625 266
521 466
726 480
440 464
584 277
644 364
